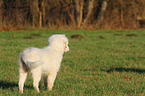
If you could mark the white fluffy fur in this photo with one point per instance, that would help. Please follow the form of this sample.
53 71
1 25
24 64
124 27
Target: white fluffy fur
45 62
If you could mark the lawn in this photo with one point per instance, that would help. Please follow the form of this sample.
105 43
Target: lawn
99 63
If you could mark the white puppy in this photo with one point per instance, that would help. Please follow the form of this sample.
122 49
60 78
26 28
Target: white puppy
45 62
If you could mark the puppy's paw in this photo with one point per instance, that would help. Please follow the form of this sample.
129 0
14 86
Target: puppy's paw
20 91
49 88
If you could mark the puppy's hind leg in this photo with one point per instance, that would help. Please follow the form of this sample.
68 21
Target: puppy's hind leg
51 79
36 78
22 76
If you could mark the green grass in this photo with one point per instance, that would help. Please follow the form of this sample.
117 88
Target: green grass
103 63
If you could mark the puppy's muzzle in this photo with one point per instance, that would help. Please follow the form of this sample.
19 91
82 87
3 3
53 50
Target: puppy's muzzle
66 49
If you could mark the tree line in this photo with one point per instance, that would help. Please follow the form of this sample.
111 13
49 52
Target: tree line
73 13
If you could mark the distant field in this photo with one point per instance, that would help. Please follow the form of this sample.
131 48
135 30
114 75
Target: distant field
99 63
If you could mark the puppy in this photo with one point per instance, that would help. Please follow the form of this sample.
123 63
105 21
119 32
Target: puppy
45 62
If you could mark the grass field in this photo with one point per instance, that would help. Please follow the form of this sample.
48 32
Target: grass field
99 63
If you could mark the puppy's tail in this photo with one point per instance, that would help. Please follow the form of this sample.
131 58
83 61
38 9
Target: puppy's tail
28 64
22 63
33 65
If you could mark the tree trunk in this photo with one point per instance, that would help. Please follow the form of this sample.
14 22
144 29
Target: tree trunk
90 8
102 13
72 18
43 10
34 9
77 11
81 13
143 15
1 15
40 19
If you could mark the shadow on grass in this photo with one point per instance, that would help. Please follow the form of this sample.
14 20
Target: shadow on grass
126 70
6 85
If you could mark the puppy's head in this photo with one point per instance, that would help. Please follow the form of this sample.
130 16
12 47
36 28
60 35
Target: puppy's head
59 41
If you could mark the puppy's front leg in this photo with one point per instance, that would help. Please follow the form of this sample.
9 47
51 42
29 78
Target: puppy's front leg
51 79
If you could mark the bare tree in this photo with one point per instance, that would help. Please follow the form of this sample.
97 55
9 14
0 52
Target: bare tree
40 11
144 10
80 19
1 16
102 12
34 9
90 8
81 13
77 10
44 2
42 6
74 13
